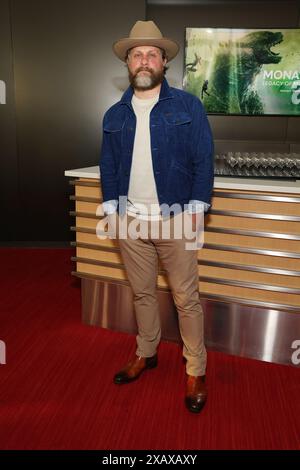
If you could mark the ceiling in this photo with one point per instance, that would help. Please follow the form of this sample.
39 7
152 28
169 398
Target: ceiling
208 2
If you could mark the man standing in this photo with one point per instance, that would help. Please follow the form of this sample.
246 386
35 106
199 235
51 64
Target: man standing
157 152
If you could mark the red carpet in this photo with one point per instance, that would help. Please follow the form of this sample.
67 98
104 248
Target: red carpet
56 389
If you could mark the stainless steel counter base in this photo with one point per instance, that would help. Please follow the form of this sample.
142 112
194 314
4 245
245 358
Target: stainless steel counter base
254 332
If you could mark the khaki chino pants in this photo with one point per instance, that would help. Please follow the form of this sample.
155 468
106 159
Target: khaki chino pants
140 257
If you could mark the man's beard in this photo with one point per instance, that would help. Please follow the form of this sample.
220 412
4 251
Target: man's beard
145 81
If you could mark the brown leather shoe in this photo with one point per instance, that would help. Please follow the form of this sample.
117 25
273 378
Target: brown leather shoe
134 368
196 393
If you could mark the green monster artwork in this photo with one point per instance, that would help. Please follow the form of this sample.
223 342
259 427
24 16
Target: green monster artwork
248 72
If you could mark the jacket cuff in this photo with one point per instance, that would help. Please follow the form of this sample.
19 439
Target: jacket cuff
110 207
195 206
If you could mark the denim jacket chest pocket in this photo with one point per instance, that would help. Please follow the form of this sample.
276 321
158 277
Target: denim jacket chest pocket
113 133
120 130
177 118
113 126
178 125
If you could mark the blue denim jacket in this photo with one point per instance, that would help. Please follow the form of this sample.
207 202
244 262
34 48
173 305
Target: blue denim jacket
181 145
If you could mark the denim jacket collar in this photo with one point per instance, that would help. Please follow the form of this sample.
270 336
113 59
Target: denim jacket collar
165 93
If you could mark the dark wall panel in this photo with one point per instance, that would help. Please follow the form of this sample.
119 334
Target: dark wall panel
293 130
66 76
262 128
8 145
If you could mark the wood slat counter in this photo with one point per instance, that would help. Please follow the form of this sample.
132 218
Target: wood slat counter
249 267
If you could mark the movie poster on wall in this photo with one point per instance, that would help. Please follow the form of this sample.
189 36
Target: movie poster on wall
244 71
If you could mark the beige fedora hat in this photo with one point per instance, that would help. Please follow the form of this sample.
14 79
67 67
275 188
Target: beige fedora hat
145 33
